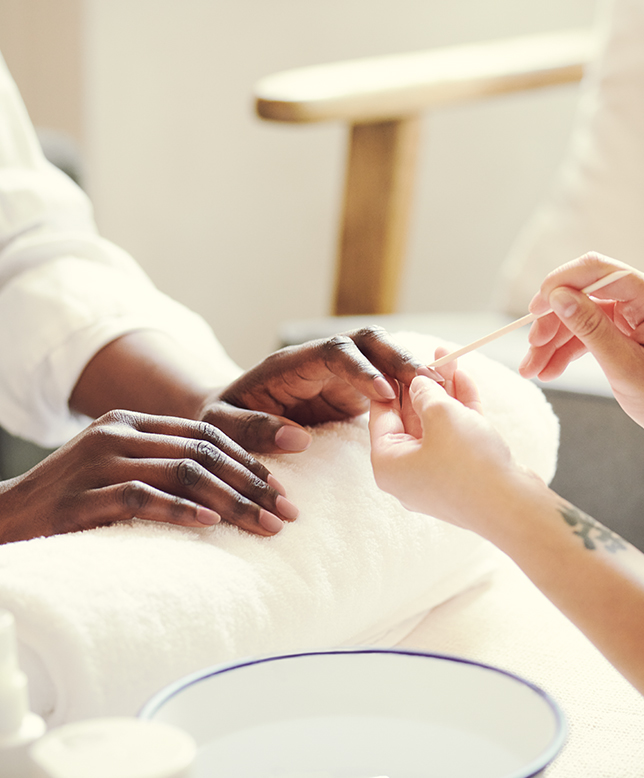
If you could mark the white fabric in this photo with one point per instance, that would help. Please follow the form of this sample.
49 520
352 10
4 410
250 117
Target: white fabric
597 201
508 623
107 617
64 291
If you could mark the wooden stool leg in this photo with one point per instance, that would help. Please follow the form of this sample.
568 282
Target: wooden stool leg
377 203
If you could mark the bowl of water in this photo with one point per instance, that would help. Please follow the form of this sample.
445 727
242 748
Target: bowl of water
363 713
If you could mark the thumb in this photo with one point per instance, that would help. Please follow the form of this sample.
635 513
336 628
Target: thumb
424 393
587 322
256 431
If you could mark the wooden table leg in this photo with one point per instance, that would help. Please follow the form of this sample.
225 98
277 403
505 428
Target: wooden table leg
377 203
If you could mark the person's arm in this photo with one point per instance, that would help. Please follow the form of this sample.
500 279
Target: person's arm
262 410
440 456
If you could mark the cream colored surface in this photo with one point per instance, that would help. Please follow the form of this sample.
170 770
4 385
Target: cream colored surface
508 623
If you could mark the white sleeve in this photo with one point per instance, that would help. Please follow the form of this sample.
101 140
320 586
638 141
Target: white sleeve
65 292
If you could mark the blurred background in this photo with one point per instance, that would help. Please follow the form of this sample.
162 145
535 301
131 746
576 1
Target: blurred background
237 218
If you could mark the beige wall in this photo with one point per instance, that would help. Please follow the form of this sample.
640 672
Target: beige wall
236 218
41 43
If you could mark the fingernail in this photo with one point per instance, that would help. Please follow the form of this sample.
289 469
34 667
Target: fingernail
291 438
270 522
287 509
384 388
429 372
272 481
207 517
525 361
563 303
538 305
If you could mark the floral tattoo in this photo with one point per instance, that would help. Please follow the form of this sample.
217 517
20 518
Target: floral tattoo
587 526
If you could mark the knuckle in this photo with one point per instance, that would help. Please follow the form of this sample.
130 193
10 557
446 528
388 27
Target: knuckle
370 332
187 472
239 509
134 496
337 345
117 416
588 323
208 429
209 456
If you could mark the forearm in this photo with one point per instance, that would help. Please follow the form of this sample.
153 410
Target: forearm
591 574
142 371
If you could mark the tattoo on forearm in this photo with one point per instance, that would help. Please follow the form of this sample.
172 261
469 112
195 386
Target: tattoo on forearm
586 526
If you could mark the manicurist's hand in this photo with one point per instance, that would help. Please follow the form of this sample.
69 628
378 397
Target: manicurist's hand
436 452
128 464
438 455
324 380
610 325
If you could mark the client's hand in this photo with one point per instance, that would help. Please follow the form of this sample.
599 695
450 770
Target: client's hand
324 380
437 453
611 327
128 464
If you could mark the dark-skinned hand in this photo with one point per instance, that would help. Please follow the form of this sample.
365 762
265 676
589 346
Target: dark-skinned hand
128 464
330 379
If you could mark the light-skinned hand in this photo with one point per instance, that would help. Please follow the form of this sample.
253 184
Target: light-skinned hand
610 325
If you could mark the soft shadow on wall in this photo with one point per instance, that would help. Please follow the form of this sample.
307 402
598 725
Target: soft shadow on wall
237 218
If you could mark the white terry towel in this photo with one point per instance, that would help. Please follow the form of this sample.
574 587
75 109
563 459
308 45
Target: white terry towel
107 617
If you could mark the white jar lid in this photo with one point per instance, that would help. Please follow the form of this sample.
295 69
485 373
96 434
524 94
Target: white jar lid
115 748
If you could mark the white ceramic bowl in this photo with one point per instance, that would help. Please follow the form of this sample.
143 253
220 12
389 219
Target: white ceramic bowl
362 713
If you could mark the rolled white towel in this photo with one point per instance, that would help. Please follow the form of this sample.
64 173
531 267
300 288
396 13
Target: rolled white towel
107 617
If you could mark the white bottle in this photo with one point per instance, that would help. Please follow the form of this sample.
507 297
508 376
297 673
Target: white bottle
19 728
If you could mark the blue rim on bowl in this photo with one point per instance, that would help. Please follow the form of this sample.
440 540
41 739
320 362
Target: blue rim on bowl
535 766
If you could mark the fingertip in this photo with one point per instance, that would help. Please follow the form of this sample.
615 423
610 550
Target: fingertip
287 509
292 438
207 517
275 484
270 522
384 388
563 302
422 382
429 372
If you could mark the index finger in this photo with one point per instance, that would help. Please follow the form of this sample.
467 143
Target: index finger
389 357
583 272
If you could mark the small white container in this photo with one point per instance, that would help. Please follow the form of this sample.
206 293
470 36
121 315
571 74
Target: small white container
115 748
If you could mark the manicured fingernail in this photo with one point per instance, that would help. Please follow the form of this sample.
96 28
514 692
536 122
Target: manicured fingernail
286 508
538 305
272 481
207 517
270 522
563 303
384 388
290 438
429 372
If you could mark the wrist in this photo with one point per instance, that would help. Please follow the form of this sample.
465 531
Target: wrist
515 518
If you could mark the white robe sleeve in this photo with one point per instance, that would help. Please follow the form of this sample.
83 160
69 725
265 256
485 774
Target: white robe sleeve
65 292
